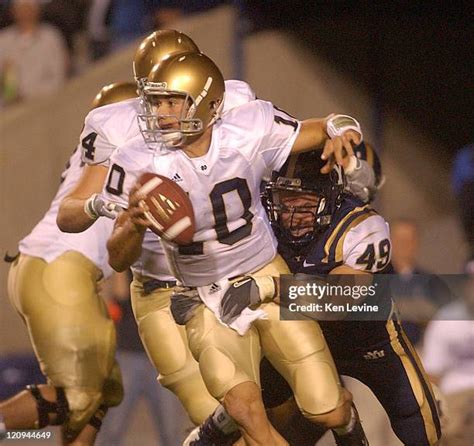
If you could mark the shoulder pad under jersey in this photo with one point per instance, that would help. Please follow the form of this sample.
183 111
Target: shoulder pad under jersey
366 245
106 128
361 240
237 93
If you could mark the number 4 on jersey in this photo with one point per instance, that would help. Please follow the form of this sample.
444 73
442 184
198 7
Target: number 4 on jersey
88 145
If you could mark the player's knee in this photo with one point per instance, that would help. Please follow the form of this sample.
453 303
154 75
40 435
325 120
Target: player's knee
339 413
181 371
317 388
178 367
338 417
199 406
194 396
83 403
187 384
416 424
72 408
218 371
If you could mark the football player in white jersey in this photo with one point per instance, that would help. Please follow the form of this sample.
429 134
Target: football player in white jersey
220 162
104 130
53 284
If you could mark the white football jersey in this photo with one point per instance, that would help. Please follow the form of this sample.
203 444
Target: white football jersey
111 126
48 242
237 93
108 127
233 236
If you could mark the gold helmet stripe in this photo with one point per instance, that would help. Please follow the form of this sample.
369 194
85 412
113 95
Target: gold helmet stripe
204 91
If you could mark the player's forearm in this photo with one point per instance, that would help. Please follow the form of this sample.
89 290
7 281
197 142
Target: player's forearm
125 245
72 217
312 135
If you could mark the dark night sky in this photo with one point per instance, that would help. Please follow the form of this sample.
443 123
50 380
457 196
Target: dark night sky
415 58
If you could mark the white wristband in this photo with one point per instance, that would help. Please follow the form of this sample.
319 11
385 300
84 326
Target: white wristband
338 124
89 209
266 287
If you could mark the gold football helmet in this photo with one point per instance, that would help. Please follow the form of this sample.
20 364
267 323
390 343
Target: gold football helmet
196 78
116 92
158 46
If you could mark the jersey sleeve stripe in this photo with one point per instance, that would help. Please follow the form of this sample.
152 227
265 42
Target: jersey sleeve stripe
336 230
339 243
342 232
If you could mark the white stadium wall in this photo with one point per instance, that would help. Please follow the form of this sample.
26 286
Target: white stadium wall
38 137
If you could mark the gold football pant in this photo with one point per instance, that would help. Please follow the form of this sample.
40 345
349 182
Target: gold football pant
297 349
70 331
167 347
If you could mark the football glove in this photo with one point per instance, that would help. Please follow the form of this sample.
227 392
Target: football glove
96 206
245 292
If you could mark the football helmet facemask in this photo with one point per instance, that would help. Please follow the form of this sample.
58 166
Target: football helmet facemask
300 181
193 77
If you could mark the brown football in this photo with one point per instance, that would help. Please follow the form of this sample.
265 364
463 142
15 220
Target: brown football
170 211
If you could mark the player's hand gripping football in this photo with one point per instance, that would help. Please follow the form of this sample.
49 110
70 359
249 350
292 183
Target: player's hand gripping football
137 208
